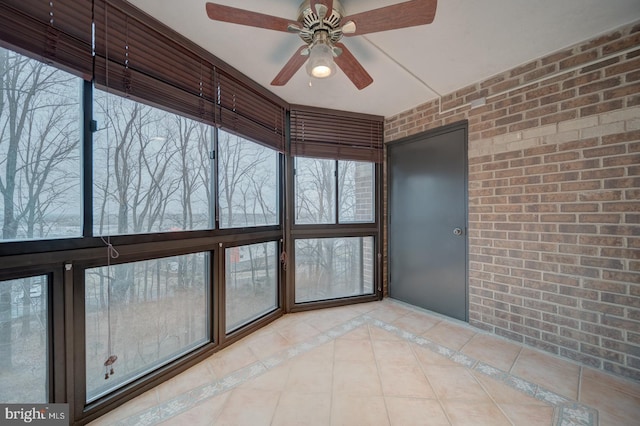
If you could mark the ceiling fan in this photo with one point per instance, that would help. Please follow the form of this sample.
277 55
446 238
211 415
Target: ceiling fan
321 24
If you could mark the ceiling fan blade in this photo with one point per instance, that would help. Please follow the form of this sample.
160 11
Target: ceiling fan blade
291 67
401 15
352 68
219 12
327 3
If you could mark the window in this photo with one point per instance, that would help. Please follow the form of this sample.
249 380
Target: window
24 340
329 268
315 190
145 313
248 181
315 187
355 191
181 144
40 195
251 283
151 169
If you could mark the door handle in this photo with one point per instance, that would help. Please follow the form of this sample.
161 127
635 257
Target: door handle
457 231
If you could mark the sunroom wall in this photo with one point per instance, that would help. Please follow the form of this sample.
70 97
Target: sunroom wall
554 188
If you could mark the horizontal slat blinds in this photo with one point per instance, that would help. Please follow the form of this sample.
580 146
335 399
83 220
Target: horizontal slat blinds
137 60
141 58
242 110
336 134
57 32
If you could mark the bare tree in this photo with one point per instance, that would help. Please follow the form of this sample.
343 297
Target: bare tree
154 177
315 191
38 134
39 140
346 189
248 197
240 165
192 143
51 143
137 181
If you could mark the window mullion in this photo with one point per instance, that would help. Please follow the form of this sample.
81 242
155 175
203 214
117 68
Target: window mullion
87 158
213 203
336 175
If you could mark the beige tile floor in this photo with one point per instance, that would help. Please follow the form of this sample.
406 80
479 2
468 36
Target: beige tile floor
381 363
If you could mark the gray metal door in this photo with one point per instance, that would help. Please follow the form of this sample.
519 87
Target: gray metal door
428 221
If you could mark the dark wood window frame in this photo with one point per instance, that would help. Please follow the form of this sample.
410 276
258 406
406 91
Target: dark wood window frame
261 118
339 135
335 230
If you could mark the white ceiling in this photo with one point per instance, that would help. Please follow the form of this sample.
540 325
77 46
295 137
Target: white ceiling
469 41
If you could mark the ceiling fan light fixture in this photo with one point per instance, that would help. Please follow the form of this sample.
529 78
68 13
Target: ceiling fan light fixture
320 63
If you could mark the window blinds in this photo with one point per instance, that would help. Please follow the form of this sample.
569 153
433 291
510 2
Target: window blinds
139 57
56 32
339 135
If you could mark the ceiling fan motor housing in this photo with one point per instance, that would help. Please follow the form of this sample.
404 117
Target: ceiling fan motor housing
311 22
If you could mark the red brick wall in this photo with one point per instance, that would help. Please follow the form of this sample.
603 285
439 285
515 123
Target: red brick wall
554 199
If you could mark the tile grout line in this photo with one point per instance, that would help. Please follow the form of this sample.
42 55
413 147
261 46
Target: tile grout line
515 361
571 412
333 369
579 384
498 406
442 407
375 360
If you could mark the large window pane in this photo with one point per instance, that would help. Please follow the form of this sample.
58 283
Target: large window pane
251 283
329 268
23 340
151 169
355 191
40 195
151 312
315 187
247 182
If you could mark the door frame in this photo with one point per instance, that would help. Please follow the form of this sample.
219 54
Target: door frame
427 134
